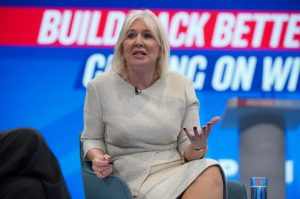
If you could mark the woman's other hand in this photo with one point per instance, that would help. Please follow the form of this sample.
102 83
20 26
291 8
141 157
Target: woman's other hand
102 166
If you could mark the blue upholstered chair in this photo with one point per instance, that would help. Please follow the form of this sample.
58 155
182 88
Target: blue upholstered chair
113 187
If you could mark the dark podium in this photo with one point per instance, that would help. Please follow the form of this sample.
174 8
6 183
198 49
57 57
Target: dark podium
262 124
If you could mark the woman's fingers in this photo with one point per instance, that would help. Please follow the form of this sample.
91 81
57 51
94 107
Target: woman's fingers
101 166
214 120
208 128
196 132
108 158
205 130
100 174
98 162
104 173
105 160
196 135
190 136
107 172
211 123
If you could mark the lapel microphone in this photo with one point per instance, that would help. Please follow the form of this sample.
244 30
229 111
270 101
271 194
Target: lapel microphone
137 91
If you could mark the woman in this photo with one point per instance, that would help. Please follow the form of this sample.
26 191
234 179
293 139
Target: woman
139 116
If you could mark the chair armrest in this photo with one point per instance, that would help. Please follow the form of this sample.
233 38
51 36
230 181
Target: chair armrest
236 190
111 187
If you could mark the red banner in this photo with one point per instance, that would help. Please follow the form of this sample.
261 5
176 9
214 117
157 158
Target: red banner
192 29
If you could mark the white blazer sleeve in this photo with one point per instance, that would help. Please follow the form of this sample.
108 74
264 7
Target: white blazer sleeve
93 133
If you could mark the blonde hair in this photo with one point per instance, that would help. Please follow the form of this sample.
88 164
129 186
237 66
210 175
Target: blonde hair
156 28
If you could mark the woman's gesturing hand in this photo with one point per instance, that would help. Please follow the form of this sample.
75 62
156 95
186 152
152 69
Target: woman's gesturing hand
199 137
102 166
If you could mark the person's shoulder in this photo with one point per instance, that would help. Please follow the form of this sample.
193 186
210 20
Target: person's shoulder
101 79
175 76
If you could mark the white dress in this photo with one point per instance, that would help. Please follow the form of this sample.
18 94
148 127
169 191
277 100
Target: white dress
143 133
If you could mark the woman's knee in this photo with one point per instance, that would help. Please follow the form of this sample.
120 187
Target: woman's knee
212 175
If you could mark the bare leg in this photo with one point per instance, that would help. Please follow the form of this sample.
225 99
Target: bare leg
208 185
